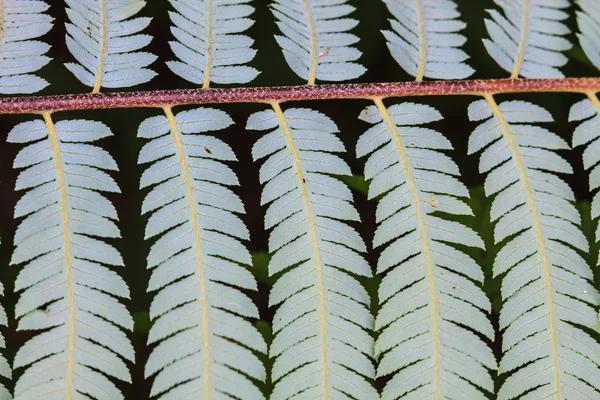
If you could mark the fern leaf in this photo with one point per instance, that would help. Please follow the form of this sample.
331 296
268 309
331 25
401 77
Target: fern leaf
205 344
21 21
322 346
424 40
315 42
5 370
588 20
546 283
588 132
429 294
209 44
527 38
67 290
104 40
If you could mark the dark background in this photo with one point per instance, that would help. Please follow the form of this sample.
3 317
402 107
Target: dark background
124 146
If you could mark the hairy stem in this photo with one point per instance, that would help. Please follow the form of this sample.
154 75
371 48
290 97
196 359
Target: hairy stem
370 91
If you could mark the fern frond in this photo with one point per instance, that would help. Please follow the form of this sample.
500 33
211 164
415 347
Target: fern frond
588 132
205 344
315 42
67 289
588 20
429 296
424 40
209 45
104 40
527 38
322 346
5 370
546 283
21 21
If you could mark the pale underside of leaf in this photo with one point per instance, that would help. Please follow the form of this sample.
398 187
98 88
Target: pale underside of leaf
321 343
21 21
527 38
315 244
588 133
588 20
105 40
66 286
545 281
5 370
210 45
425 40
315 41
417 300
195 263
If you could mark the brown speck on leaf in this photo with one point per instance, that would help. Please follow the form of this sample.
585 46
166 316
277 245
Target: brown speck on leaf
89 29
432 202
323 53
206 149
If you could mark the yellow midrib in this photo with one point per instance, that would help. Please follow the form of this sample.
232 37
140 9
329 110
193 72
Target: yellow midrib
315 243
594 99
209 50
538 229
100 70
523 47
313 33
67 246
426 249
194 221
423 38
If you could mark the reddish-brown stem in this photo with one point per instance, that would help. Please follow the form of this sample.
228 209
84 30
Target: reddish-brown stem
170 98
